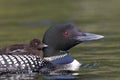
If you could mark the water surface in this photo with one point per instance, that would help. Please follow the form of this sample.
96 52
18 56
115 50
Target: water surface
23 20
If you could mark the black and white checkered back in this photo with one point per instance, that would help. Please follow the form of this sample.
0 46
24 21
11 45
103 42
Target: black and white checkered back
23 64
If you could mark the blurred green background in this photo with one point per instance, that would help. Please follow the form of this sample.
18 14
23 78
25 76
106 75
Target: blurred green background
22 20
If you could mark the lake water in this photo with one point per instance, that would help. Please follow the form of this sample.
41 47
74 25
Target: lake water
23 20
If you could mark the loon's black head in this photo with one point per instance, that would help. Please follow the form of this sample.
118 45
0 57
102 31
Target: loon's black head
62 37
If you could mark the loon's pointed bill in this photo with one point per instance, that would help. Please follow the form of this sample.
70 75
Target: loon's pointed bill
88 37
44 45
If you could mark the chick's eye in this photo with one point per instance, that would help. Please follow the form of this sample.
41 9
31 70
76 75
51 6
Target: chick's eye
65 33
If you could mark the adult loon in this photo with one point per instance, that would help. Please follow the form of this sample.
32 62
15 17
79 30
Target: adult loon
62 37
34 47
59 39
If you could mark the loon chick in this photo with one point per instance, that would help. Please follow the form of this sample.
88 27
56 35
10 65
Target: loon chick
62 37
34 47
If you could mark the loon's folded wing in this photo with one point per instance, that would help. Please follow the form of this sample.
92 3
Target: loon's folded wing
24 64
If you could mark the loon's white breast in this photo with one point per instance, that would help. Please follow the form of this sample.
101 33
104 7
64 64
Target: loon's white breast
74 65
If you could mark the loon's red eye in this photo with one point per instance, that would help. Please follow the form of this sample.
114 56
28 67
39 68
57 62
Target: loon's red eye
65 33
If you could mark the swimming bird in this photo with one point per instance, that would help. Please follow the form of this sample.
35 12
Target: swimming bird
60 39
34 47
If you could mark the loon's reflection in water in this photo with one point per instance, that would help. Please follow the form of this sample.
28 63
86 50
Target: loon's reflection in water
18 76
63 75
60 75
53 75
